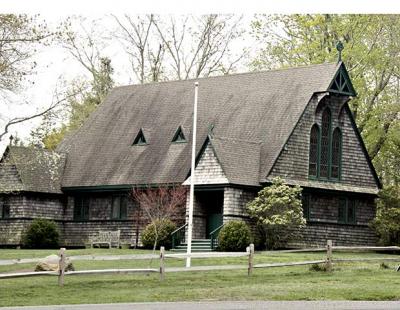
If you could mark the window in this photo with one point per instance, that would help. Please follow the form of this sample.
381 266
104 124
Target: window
347 211
313 156
179 136
325 155
119 207
140 139
81 208
4 208
325 143
336 153
306 206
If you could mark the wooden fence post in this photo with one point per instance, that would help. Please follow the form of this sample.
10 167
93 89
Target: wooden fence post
329 255
61 267
251 256
162 263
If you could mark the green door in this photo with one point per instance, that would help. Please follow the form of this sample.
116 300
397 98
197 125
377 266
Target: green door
214 221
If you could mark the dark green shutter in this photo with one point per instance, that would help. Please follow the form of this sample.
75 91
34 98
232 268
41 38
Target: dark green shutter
342 210
351 211
124 207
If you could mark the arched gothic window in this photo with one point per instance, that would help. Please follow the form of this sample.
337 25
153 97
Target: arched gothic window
325 143
313 156
336 153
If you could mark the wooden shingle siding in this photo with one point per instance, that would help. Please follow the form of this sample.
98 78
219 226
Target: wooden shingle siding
324 208
9 178
235 200
293 161
26 207
208 169
316 235
77 233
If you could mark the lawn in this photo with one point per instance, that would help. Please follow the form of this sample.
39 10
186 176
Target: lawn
349 281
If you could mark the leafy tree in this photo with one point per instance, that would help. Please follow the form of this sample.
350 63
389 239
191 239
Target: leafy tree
20 37
278 212
83 99
387 222
372 56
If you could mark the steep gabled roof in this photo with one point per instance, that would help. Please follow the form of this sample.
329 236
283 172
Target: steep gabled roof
31 169
259 106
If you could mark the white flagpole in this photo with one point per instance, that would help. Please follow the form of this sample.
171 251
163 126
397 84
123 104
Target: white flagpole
191 194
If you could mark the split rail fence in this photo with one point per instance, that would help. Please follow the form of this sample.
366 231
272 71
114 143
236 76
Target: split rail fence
61 273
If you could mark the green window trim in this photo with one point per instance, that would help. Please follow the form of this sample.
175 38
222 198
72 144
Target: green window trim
4 208
179 136
347 211
119 207
140 138
329 150
325 144
81 208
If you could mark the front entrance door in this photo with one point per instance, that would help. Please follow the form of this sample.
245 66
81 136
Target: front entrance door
214 221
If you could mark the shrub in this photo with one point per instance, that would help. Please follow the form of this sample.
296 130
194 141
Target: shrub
318 268
41 234
278 212
234 236
158 234
387 221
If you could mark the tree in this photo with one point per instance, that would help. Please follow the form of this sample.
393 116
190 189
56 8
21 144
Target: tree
278 212
166 48
160 204
84 94
371 54
387 222
20 38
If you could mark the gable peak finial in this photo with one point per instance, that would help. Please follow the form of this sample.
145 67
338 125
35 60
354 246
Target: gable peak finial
339 47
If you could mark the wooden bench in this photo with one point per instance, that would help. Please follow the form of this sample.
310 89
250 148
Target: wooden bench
110 238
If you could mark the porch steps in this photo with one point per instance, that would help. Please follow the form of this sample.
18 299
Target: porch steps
198 245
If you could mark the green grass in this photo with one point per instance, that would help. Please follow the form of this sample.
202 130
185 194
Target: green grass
349 281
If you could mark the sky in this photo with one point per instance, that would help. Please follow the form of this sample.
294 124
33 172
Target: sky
54 63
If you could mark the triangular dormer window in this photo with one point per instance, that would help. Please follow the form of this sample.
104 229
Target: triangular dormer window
179 136
140 139
342 84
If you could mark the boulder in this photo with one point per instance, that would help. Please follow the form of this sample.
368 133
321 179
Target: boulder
50 263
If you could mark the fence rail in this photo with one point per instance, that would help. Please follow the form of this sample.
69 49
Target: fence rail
61 273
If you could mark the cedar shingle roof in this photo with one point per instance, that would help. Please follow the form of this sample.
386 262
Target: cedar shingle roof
31 169
260 107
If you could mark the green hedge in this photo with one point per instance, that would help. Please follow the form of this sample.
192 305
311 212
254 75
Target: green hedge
164 228
234 236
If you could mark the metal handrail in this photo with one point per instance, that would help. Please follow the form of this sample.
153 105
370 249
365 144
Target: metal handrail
177 235
214 235
178 229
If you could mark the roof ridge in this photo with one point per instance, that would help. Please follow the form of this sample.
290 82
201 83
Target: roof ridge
225 75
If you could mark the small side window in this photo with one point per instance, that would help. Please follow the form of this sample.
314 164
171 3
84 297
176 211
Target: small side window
306 206
119 207
81 208
4 208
